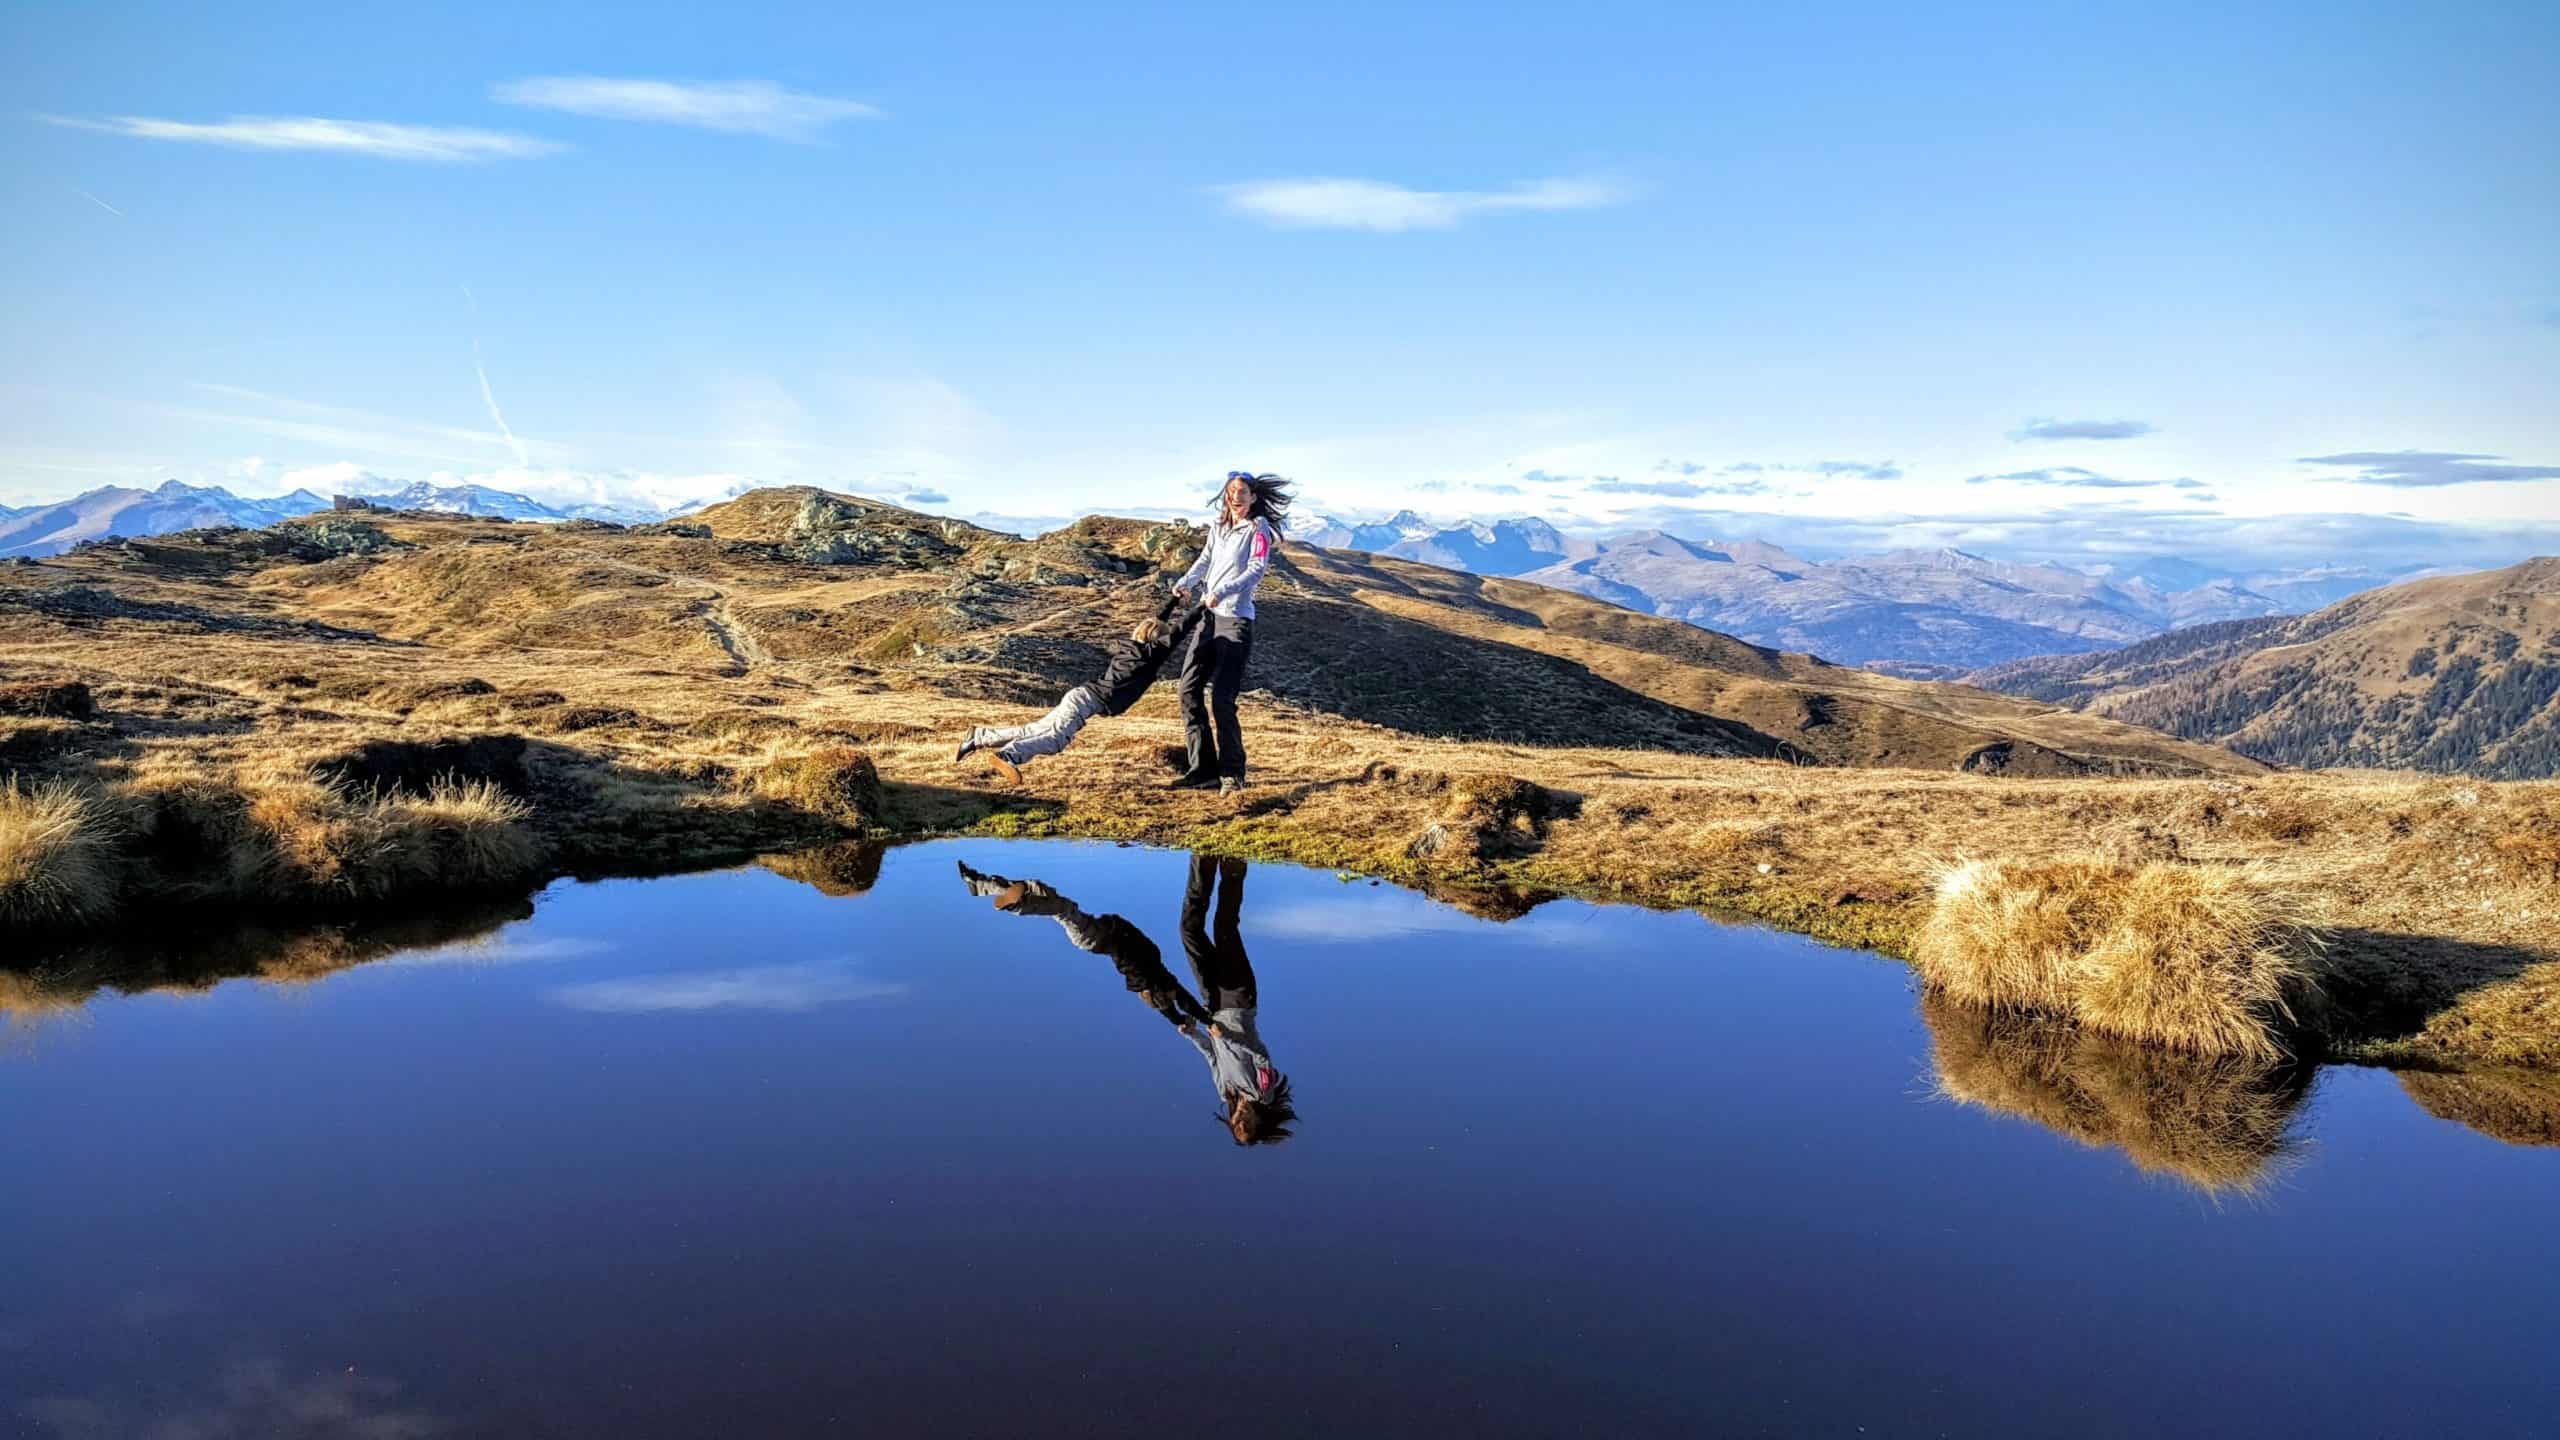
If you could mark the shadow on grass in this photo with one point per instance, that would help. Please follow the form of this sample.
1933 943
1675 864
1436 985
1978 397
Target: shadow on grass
2380 987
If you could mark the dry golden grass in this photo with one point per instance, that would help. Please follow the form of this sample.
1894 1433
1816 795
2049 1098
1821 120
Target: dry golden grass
2222 1124
2189 957
54 856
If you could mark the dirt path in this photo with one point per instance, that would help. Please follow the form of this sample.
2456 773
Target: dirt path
735 635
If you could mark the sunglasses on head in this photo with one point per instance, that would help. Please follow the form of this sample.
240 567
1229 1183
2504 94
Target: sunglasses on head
1240 475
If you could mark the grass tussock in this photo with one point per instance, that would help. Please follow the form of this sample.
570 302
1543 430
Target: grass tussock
60 699
2221 1123
837 782
325 841
278 836
2188 957
1488 816
56 862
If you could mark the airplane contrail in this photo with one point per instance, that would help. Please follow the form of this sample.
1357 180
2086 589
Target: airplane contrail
523 461
489 397
101 204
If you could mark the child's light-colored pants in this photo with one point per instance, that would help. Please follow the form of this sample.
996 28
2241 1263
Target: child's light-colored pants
1047 735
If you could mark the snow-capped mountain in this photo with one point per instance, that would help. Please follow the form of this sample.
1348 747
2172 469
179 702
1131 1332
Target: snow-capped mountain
465 500
113 510
1501 547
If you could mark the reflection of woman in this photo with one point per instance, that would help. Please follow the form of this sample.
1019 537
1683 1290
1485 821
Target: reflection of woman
1256 1096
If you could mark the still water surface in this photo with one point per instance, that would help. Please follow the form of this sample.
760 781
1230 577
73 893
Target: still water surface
728 1154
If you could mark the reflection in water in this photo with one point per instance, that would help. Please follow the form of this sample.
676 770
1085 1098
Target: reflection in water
200 959
788 988
1253 1096
2519 1107
849 868
2219 1124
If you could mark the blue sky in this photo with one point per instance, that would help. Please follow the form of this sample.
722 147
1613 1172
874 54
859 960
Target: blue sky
1997 276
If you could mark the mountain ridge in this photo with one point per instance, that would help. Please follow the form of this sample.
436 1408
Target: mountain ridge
1922 613
2453 674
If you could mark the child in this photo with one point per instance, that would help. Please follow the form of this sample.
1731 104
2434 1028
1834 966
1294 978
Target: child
1134 665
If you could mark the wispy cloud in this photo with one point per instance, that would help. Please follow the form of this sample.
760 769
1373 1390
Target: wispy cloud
1858 469
101 204
2082 430
927 497
437 143
1853 469
1674 489
739 107
2072 476
1333 203
789 988
2426 469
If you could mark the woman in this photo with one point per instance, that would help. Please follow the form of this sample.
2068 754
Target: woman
1251 511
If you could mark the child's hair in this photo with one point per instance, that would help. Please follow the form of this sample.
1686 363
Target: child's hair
1270 498
1148 631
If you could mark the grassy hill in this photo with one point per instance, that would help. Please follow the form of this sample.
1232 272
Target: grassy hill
2459 674
343 711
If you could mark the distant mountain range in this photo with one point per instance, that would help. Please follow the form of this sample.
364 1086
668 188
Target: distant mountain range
2457 673
116 510
1923 613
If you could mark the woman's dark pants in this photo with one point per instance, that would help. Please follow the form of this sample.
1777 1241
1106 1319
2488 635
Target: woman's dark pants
1212 673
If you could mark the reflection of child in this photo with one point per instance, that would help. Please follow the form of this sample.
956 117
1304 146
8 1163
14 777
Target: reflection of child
1140 963
1135 663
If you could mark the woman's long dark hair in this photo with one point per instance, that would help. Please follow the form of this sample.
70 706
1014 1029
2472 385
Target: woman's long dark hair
1270 499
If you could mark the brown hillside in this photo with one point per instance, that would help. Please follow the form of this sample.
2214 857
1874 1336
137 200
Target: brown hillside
2458 674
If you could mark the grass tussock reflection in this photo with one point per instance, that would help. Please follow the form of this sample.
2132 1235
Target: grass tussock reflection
2520 1107
2223 1124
